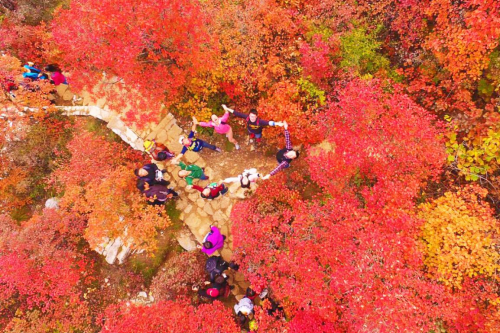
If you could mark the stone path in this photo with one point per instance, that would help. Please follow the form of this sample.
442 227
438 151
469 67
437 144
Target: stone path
197 213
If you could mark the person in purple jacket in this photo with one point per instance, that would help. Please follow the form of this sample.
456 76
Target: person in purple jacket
254 124
285 156
213 241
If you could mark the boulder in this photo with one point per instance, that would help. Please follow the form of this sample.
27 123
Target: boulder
52 203
112 251
188 209
226 254
124 253
186 240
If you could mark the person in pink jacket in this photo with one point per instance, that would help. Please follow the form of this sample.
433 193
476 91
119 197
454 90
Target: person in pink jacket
213 241
221 126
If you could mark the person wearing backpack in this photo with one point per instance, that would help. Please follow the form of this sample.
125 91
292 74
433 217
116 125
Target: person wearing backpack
190 172
151 174
220 126
212 191
285 156
213 241
157 151
218 288
156 194
254 124
193 144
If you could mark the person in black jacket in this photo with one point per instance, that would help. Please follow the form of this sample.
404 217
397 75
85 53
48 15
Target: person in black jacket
254 124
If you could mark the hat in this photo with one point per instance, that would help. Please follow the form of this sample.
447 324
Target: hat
212 292
148 145
181 139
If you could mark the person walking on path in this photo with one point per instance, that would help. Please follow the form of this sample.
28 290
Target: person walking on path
151 174
218 288
213 241
156 194
211 191
191 172
254 124
56 77
285 156
244 311
193 144
157 151
248 176
220 126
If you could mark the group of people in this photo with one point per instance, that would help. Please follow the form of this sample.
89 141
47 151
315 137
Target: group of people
32 73
217 286
155 188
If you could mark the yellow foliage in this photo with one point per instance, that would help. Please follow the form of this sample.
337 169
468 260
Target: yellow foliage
461 234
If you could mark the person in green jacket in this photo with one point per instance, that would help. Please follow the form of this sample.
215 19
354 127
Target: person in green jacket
190 172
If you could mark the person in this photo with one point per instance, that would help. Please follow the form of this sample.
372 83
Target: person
211 191
190 172
193 144
248 176
56 77
244 311
218 288
215 265
220 126
213 241
254 124
33 73
156 194
152 174
285 156
157 151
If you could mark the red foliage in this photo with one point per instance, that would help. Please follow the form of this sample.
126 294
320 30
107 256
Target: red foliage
380 142
169 316
41 271
153 46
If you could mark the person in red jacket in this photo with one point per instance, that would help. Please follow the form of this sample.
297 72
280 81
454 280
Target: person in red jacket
211 191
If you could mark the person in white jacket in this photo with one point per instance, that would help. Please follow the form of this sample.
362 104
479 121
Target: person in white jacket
248 176
244 310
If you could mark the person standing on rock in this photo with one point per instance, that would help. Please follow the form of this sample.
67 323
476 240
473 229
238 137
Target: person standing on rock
211 191
190 172
213 241
156 194
221 126
193 144
254 124
157 151
151 174
285 156
248 176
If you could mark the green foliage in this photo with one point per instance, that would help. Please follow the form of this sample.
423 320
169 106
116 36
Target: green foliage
360 51
475 156
315 94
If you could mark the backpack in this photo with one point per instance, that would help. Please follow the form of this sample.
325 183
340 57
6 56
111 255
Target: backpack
215 265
